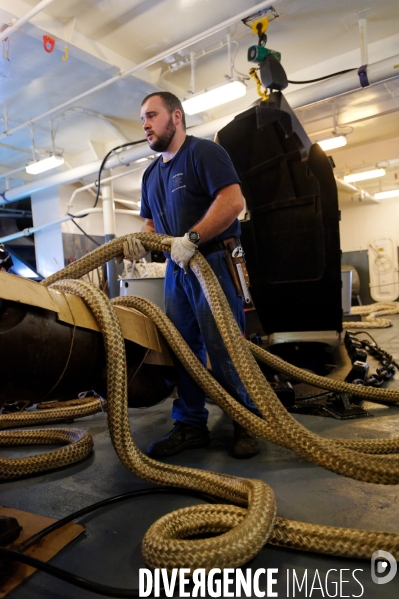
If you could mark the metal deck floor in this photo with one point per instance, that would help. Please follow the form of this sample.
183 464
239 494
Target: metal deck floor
109 551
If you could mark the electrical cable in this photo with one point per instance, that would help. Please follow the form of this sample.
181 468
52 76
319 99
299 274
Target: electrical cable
15 554
244 75
322 78
131 143
84 232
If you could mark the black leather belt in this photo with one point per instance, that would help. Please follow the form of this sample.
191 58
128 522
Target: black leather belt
214 246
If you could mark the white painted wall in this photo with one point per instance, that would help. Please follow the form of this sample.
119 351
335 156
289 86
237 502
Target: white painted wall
360 223
362 220
48 242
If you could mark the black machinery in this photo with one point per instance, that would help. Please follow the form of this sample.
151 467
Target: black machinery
291 237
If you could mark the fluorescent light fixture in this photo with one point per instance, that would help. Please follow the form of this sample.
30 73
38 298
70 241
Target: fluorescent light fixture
214 96
39 166
333 142
383 195
363 175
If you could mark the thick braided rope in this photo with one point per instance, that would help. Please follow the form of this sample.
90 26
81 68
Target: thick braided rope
213 389
78 445
51 415
162 545
111 252
321 451
278 426
384 395
372 314
237 545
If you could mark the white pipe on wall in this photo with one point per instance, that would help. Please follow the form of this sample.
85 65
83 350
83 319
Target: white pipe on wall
85 212
90 185
20 22
353 189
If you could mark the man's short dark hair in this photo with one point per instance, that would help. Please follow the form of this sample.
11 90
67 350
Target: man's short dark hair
171 103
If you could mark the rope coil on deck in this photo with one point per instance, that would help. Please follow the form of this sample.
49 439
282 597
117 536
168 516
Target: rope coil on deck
372 316
244 530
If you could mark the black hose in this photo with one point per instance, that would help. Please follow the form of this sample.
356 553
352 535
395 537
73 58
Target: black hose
131 143
322 78
15 554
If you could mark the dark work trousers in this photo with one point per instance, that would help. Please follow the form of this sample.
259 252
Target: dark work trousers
188 309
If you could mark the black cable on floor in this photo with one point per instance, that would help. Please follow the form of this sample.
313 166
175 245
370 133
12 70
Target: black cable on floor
77 581
16 554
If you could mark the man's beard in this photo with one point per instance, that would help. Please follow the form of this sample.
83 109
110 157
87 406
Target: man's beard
162 141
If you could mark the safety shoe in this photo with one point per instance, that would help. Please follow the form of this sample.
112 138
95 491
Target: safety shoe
245 444
181 437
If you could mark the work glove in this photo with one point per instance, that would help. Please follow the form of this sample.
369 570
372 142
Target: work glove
181 250
133 249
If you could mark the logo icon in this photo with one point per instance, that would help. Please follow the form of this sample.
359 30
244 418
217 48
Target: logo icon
383 563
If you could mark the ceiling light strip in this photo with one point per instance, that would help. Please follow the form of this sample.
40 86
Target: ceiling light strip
384 195
333 142
215 96
364 175
40 166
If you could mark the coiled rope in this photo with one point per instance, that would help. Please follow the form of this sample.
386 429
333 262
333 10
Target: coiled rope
244 530
372 314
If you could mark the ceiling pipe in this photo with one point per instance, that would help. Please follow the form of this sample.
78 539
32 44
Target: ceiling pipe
20 22
9 173
364 59
386 164
353 189
146 63
16 149
120 159
341 84
106 180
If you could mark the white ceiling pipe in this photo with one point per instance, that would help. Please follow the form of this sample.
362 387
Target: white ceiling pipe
90 185
366 167
9 173
20 22
363 42
87 211
341 84
145 64
122 158
353 189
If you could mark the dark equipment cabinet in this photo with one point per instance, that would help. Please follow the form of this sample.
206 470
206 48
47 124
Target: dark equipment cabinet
291 239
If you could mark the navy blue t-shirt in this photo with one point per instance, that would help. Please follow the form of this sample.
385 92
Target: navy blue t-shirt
177 194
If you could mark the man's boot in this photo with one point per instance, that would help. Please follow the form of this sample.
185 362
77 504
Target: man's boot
245 444
181 437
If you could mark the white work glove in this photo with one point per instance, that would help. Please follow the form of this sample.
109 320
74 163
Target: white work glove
133 249
181 250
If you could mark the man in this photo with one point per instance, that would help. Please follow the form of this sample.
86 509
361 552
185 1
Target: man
5 259
192 193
